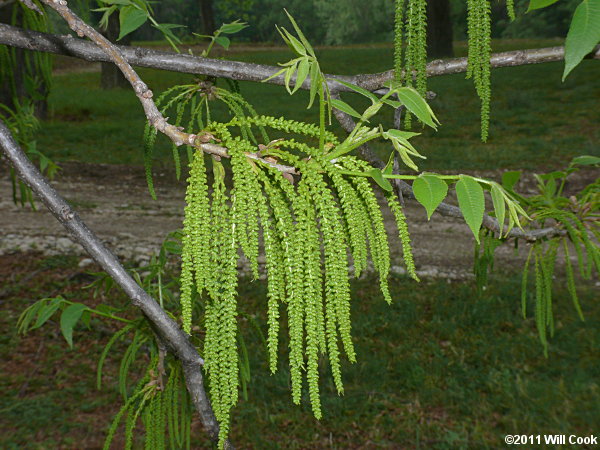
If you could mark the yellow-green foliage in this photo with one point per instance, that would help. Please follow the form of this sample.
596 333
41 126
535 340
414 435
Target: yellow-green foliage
309 222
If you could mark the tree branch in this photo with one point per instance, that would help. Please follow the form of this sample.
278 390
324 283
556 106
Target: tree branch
241 71
167 329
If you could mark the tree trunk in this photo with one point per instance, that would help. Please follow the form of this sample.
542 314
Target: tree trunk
208 17
111 77
439 29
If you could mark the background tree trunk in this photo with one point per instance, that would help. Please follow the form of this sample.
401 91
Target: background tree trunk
439 29
110 75
208 17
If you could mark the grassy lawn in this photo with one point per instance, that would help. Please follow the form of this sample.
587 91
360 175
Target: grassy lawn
536 120
441 368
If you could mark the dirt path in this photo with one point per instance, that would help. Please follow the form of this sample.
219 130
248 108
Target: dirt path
114 202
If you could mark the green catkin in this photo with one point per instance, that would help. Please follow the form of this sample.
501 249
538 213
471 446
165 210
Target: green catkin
149 139
132 420
378 243
478 68
292 276
398 43
127 360
275 278
510 9
117 419
356 218
415 58
114 338
592 252
337 289
571 280
584 269
308 225
167 406
549 259
396 209
174 148
524 284
245 213
251 112
281 201
220 345
540 306
196 238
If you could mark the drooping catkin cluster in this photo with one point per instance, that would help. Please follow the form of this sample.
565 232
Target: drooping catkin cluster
479 33
410 61
309 223
410 49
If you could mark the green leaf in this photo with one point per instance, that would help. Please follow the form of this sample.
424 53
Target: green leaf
377 175
430 191
417 105
223 41
130 19
358 89
389 167
294 44
303 68
69 319
315 80
371 111
537 4
47 311
276 74
344 107
403 137
471 202
499 206
585 160
510 178
301 35
233 27
288 76
165 29
584 34
404 155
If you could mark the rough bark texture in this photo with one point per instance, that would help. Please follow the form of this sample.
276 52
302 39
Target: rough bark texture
439 29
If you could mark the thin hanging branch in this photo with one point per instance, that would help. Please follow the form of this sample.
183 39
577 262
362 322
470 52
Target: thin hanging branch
169 332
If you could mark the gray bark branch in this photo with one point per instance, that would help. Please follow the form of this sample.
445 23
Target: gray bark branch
242 71
168 330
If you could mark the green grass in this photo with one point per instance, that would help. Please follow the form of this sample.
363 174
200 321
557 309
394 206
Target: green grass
537 122
441 368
